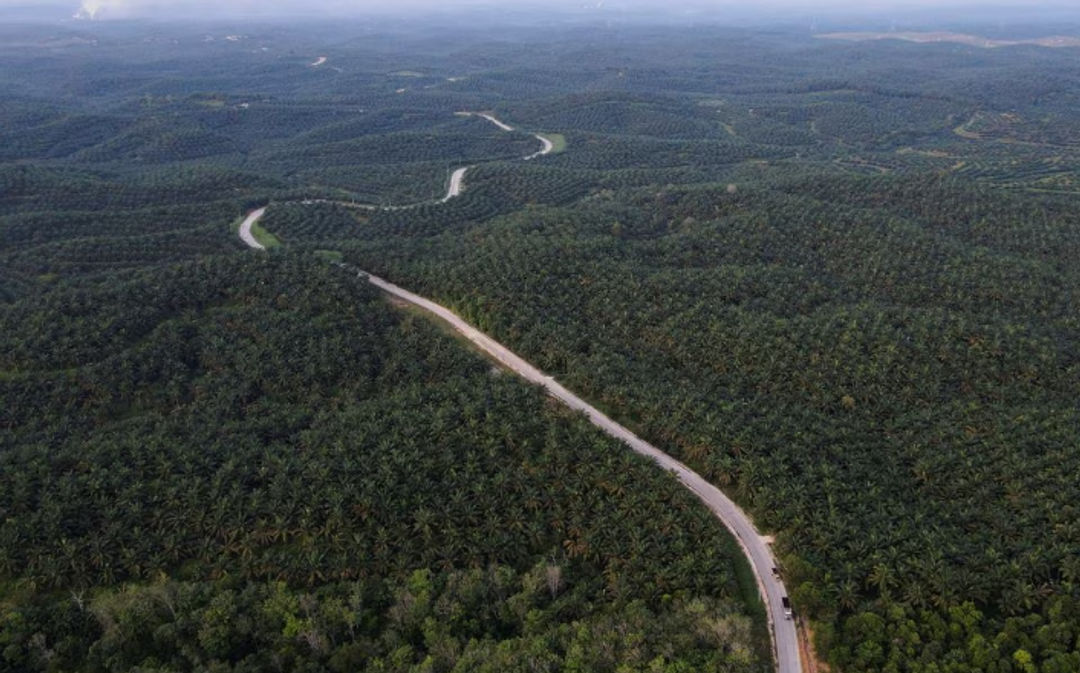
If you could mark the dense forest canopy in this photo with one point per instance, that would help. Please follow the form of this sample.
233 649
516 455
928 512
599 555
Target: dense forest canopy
840 280
260 465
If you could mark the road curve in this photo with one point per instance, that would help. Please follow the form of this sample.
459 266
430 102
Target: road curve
546 146
453 189
245 229
457 182
457 178
771 588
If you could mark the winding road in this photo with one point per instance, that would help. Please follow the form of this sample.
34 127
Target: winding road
771 587
757 551
456 185
457 178
546 146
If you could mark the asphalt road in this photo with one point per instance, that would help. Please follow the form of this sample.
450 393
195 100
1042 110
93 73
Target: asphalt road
771 588
785 638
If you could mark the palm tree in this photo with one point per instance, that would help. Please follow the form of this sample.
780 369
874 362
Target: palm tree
847 594
881 577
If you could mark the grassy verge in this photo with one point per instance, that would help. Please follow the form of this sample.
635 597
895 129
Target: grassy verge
557 140
265 237
442 327
261 235
751 596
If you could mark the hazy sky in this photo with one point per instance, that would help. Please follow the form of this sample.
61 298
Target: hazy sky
128 8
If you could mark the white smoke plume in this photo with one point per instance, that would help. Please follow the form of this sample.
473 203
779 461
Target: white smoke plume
114 9
126 9
89 9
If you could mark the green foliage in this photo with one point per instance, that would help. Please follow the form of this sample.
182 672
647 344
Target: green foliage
786 347
484 619
271 433
839 280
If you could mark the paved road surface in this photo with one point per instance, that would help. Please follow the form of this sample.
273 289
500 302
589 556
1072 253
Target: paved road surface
457 182
453 189
756 550
496 122
457 178
245 229
546 146
785 639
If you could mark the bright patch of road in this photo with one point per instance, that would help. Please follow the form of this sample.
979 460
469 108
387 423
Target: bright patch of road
245 229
